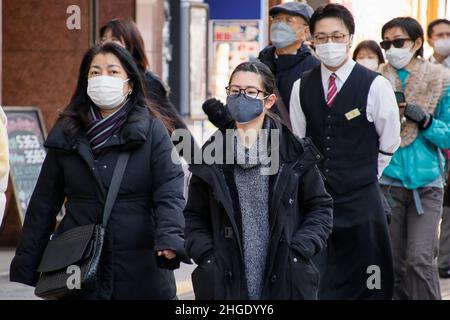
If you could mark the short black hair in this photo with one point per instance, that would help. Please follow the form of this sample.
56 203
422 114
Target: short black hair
434 23
333 10
372 46
411 26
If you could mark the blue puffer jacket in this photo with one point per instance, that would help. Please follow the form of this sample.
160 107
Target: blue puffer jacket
417 164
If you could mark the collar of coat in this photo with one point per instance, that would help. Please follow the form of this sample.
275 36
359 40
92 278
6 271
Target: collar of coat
267 56
133 134
299 154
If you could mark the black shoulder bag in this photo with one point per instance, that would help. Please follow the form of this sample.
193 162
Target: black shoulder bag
77 251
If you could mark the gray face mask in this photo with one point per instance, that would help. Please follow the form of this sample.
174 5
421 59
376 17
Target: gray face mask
282 35
244 109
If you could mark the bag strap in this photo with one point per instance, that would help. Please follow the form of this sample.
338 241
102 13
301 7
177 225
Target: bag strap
114 187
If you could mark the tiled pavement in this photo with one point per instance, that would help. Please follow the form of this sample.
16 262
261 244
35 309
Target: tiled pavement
15 291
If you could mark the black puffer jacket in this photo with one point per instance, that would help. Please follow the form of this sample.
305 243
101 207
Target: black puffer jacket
146 217
300 215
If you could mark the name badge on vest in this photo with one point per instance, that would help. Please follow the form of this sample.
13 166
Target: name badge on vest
353 114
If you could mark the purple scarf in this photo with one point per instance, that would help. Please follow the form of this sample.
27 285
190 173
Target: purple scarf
100 129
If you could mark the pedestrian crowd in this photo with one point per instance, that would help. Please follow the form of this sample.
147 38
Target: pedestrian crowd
326 178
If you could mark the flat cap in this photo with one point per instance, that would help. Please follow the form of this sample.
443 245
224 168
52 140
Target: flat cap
293 8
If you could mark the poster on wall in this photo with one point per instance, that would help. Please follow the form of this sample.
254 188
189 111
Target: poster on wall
26 135
232 42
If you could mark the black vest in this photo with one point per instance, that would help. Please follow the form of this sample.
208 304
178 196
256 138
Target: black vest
350 147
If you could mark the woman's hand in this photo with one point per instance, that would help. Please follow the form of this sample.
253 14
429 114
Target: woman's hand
169 254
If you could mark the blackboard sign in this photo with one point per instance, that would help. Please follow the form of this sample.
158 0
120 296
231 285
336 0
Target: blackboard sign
26 136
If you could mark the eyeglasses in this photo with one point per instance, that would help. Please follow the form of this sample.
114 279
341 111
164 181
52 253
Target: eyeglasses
335 37
250 92
398 43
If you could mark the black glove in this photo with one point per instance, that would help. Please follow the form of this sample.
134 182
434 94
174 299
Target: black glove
169 264
217 112
416 114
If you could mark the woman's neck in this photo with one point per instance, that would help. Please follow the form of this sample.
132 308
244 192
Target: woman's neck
106 113
248 132
411 64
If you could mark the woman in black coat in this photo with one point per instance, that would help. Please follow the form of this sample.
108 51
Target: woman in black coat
253 225
144 237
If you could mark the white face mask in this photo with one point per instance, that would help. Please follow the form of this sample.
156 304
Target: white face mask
371 64
332 54
106 91
442 47
399 57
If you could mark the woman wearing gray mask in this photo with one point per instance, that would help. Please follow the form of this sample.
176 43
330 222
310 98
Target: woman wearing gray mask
259 212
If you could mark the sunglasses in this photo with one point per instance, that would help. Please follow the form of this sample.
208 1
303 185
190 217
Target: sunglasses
398 43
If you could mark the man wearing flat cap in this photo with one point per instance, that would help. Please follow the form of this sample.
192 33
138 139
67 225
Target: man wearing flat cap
286 56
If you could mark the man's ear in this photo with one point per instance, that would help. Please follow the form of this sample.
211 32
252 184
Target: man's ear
307 32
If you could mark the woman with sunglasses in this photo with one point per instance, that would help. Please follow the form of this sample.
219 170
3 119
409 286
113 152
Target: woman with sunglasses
254 217
413 182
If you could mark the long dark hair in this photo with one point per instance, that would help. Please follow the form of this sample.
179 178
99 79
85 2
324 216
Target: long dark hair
127 32
75 115
411 26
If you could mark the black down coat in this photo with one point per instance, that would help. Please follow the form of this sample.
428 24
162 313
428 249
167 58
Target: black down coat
147 216
300 215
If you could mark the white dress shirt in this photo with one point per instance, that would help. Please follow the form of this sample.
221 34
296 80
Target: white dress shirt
382 110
